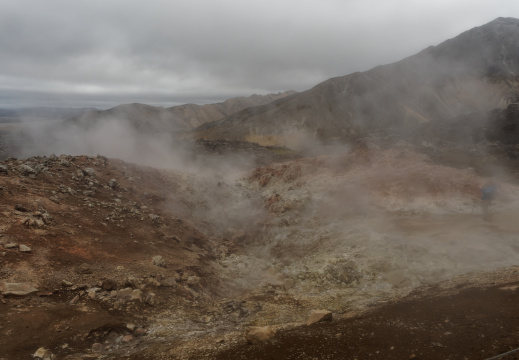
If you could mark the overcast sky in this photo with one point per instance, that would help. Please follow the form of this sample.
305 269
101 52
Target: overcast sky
104 53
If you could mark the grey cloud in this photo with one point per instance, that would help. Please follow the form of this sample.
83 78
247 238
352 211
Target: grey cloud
163 50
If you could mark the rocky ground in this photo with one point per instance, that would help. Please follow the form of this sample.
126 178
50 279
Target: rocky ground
367 253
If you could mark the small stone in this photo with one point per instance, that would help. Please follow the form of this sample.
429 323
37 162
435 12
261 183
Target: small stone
130 326
193 280
318 316
169 282
21 208
97 348
11 246
109 284
89 171
43 354
84 269
257 334
26 170
24 248
19 289
74 300
129 294
127 338
113 184
92 292
150 299
66 283
54 199
158 261
140 332
3 169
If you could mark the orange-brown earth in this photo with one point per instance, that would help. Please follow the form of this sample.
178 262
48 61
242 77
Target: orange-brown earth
116 260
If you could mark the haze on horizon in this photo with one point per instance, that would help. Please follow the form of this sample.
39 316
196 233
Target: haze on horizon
101 54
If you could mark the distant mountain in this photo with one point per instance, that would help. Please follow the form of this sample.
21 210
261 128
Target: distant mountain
184 117
475 71
43 113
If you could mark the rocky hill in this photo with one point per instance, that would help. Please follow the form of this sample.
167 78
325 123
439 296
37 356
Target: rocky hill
183 117
475 71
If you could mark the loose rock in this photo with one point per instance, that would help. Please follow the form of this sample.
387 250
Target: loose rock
43 354
257 334
26 170
318 316
20 207
18 289
24 248
159 261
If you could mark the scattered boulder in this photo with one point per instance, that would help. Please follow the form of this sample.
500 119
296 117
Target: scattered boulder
3 169
259 334
89 171
26 170
17 289
318 316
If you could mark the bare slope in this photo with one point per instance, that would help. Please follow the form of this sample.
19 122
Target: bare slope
343 232
478 70
157 119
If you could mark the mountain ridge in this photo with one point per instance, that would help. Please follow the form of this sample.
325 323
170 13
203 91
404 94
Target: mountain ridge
475 71
177 118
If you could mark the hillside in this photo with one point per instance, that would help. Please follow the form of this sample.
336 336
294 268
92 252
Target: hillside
378 246
105 259
475 71
147 118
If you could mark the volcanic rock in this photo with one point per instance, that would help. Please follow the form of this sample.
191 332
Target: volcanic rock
318 316
18 289
24 248
257 334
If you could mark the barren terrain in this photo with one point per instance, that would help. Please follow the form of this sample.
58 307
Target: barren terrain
107 259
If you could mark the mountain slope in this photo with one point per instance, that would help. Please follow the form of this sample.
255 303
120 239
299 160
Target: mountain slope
157 119
476 71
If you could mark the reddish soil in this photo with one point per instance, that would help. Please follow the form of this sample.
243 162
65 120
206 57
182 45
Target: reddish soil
102 239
